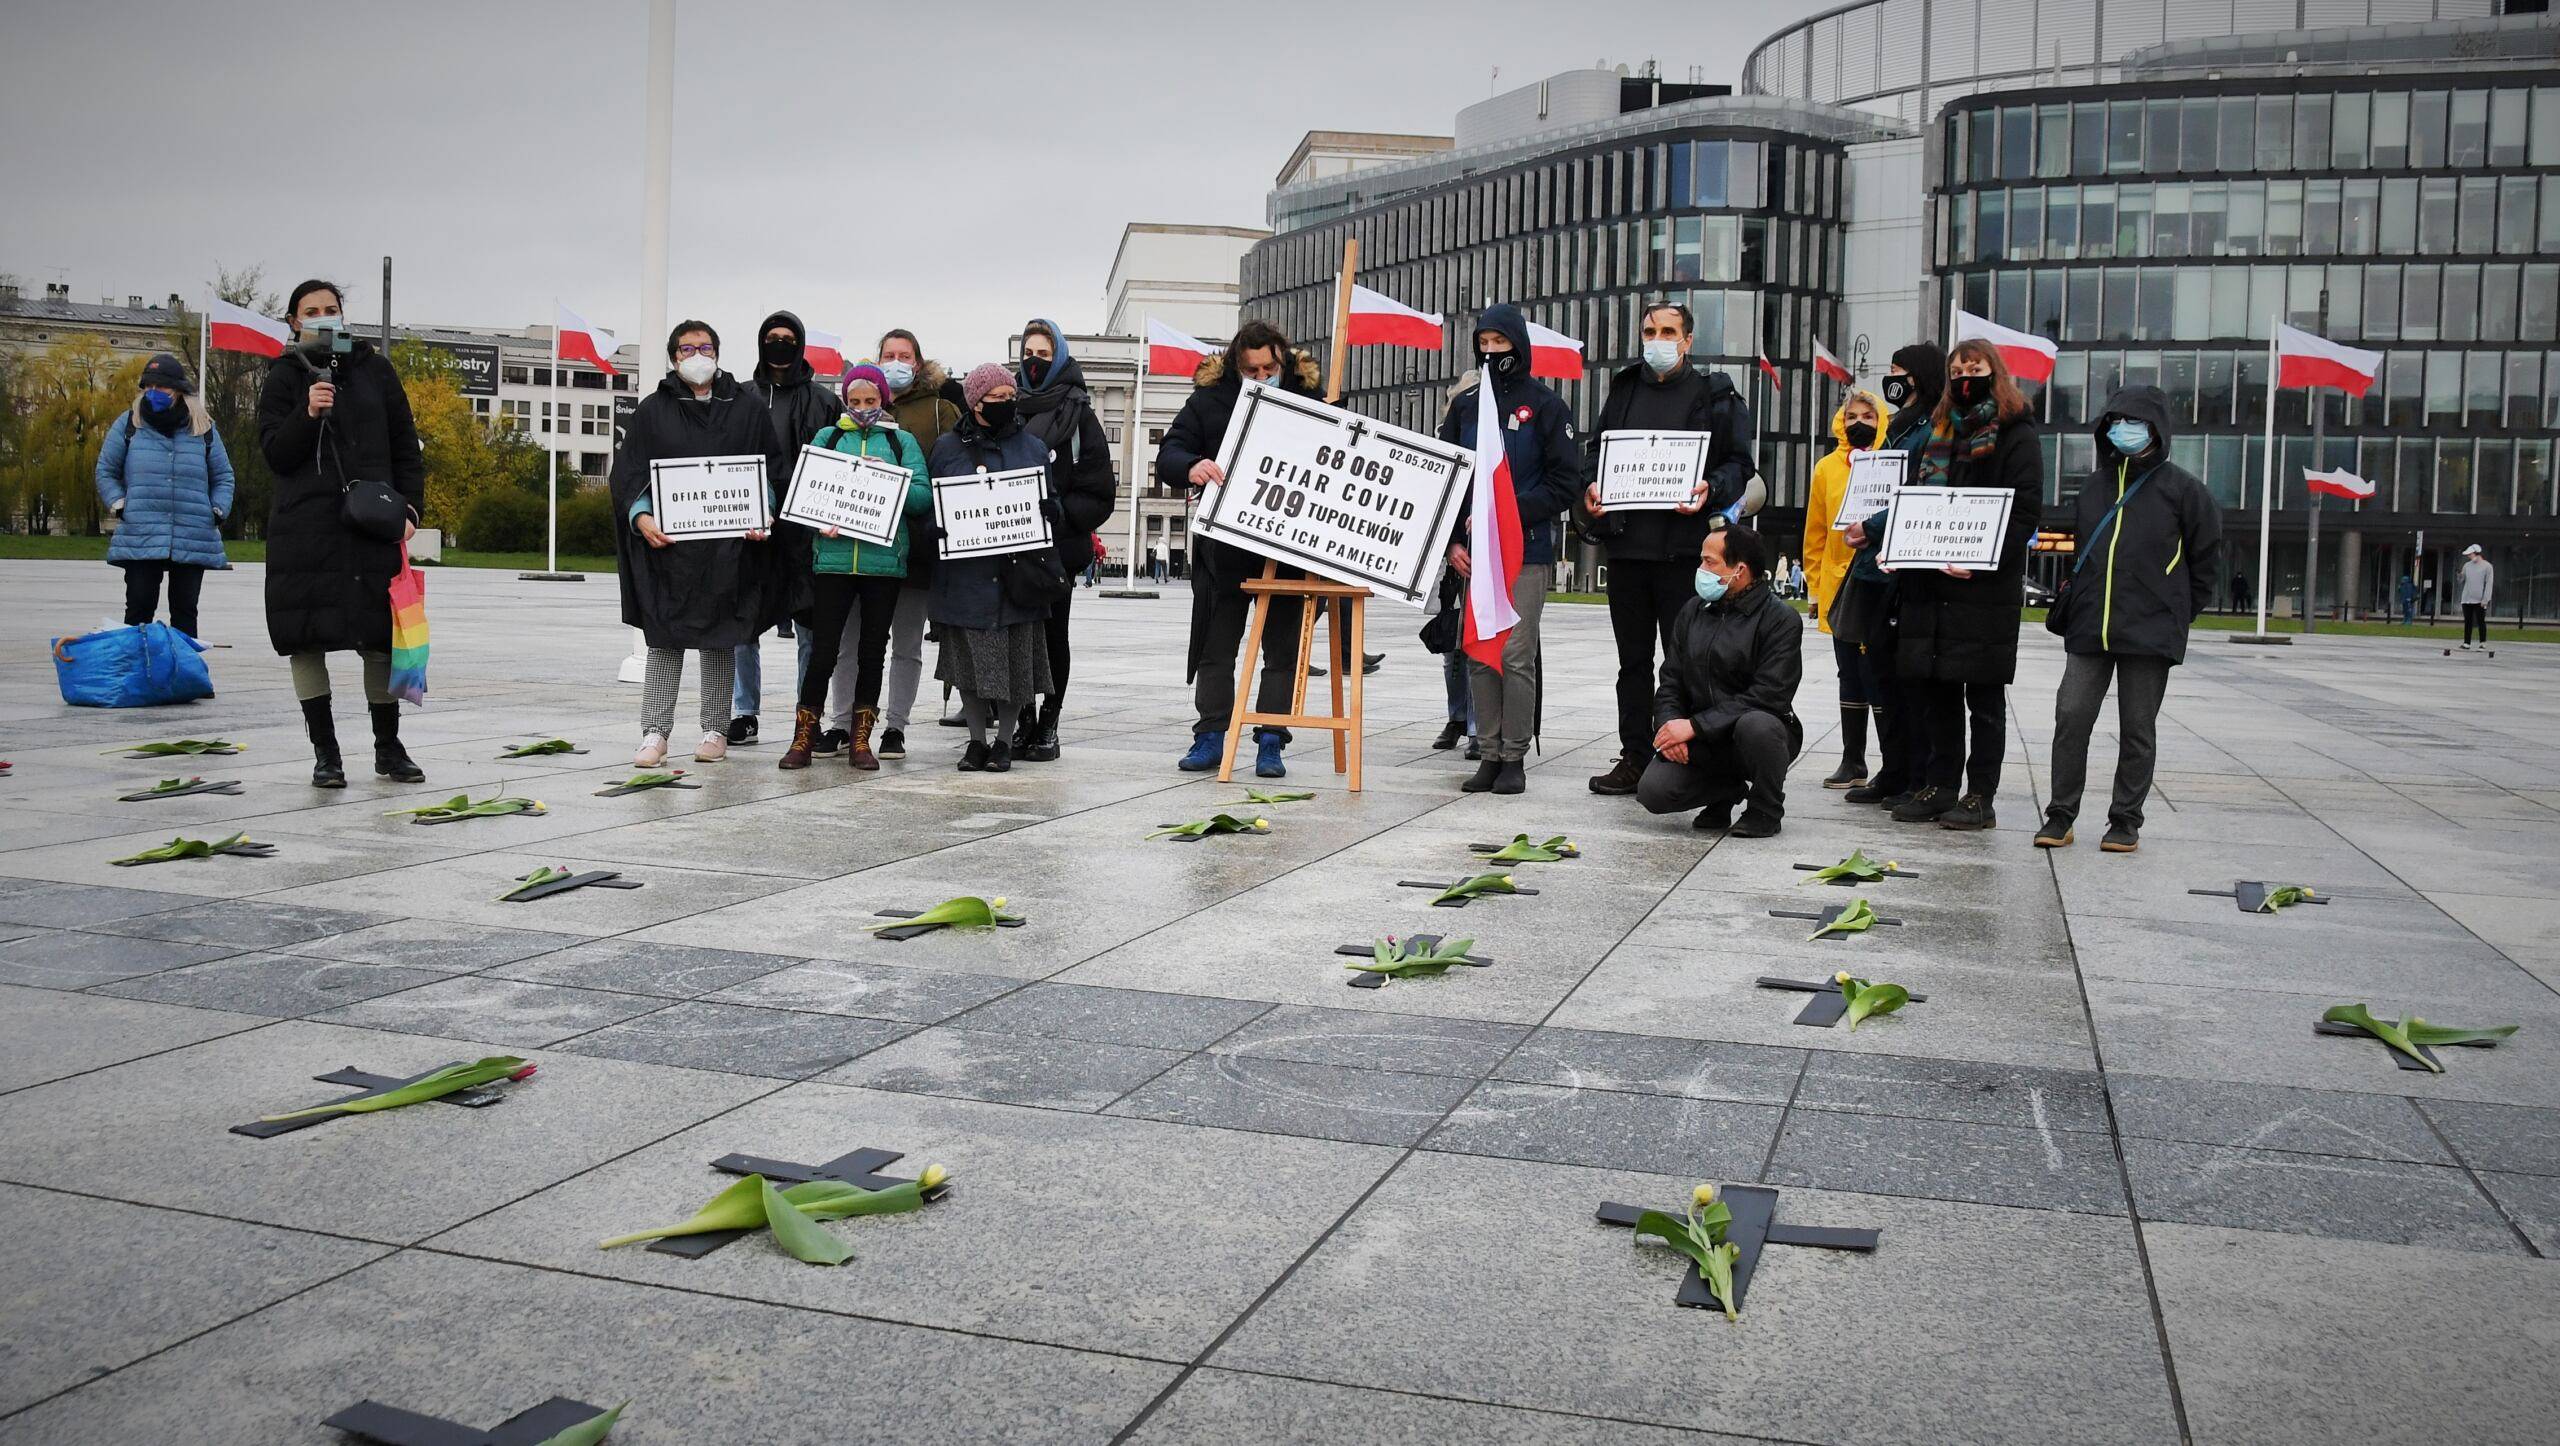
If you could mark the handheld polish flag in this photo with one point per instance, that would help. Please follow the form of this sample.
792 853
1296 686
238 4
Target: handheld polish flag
2340 483
236 328
2304 360
1825 364
1493 525
575 339
1382 321
1172 354
1554 355
1769 369
823 350
2029 357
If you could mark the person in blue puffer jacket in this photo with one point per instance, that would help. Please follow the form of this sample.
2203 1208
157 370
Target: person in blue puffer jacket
164 473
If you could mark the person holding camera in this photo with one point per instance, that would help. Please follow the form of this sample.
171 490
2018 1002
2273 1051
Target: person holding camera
992 612
164 473
350 486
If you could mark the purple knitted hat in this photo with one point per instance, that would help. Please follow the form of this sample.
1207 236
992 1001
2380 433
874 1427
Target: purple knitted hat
982 379
864 372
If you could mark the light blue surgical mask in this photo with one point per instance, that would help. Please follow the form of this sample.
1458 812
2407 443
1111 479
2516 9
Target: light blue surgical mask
1710 586
901 375
2129 437
1661 356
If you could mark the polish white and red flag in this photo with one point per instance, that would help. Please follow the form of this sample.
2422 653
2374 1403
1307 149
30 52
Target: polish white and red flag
1553 354
1493 544
236 328
2029 357
2304 360
1825 364
2340 483
823 350
1172 354
574 338
1769 369
1384 321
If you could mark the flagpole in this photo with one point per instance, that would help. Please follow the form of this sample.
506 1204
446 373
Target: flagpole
1137 451
204 346
552 530
2267 481
2311 499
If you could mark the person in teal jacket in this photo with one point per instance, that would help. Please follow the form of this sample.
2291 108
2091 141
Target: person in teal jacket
165 475
853 577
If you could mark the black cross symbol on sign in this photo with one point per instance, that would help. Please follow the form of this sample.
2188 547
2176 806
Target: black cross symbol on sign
391 1426
1357 430
1755 1209
1827 1006
861 1167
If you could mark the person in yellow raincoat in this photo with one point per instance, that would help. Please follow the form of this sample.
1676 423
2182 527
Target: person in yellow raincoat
1857 427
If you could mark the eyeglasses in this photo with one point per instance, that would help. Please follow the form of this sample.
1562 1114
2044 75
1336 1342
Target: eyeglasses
708 348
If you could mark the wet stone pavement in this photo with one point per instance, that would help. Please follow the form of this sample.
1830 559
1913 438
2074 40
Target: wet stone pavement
1204 1192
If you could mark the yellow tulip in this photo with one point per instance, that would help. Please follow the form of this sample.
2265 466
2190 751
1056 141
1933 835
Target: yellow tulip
933 1176
1840 978
996 902
1704 1195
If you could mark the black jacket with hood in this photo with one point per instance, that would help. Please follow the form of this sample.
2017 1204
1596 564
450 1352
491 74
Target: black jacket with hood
2138 582
801 405
1729 657
1198 431
1965 629
707 593
329 588
1688 400
1548 467
1059 411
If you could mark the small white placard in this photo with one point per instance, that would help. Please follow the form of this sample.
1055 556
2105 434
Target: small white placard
1946 527
1873 479
985 513
695 498
860 497
1651 471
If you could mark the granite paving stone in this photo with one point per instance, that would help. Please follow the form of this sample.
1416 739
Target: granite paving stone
1288 1097
782 1044
2532 1204
1215 1405
446 948
1016 1069
2047 1169
2500 1137
502 1011
2274 1117
2386 1200
72 959
1646 1064
878 991
244 923
1944 1089
1415 1044
81 906
1660 1134
1112 1016
673 970
52 1034
280 986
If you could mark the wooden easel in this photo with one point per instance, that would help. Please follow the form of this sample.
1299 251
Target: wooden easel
1346 604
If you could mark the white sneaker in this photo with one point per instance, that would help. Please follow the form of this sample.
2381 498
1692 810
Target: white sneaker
653 751
713 747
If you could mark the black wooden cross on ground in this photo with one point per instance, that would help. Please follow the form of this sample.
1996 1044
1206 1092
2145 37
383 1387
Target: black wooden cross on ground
391 1426
1755 1209
1848 881
1827 1005
1827 918
1423 942
2349 1031
861 1167
600 879
1458 903
917 931
192 786
2252 894
673 780
369 1085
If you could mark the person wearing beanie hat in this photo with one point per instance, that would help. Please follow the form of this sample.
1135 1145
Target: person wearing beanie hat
164 474
1864 606
917 398
991 611
852 578
1057 408
800 404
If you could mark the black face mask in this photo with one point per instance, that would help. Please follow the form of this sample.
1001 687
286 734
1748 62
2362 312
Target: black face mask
1035 369
1971 391
1861 435
780 352
1897 390
997 415
1503 365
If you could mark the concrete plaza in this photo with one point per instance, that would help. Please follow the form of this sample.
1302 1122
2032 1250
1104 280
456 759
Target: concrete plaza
1204 1192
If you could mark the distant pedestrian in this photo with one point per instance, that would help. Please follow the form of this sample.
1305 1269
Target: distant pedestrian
164 473
2239 590
2479 583
2408 600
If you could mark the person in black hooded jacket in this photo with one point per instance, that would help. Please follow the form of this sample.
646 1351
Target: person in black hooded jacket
1911 385
2149 541
1057 407
801 407
1653 555
324 421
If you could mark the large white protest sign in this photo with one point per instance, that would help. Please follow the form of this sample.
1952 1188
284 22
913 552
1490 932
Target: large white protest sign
985 513
693 498
860 497
1874 478
1946 527
1651 471
1337 494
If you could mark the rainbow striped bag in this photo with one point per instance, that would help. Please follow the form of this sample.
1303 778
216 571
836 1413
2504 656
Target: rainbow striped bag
409 635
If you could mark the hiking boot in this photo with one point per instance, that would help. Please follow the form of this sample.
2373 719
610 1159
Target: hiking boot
742 730
829 742
1875 790
2056 833
999 757
973 759
1450 733
893 744
1756 823
1206 750
1040 747
804 737
1621 777
1714 818
1514 778
2120 839
652 752
857 750
390 760
1486 773
1924 806
1848 775
328 768
1971 814
1266 756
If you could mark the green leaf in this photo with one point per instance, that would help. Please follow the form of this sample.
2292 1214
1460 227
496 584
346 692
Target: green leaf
797 1233
740 1207
190 747
2421 1032
1856 866
536 750
1696 1236
1270 796
1221 823
1717 1268
588 1432
1480 884
540 876
965 912
2386 1030
181 848
837 1200
452 1079
461 806
1876 999
2285 898
650 780
1521 851
1857 918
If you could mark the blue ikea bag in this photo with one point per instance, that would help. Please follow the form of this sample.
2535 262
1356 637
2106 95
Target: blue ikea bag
140 667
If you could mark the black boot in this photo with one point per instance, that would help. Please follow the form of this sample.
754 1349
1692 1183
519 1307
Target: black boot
1853 748
390 760
328 770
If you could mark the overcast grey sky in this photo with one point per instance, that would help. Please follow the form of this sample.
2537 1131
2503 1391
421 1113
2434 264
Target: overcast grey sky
951 167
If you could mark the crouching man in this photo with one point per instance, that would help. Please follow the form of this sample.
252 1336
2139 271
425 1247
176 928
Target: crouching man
1724 719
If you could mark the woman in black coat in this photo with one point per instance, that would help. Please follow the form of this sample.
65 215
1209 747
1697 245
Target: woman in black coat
1057 408
330 414
1958 647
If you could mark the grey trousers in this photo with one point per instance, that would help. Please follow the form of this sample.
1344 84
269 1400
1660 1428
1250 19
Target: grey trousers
906 664
665 675
1507 702
2141 682
311 676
